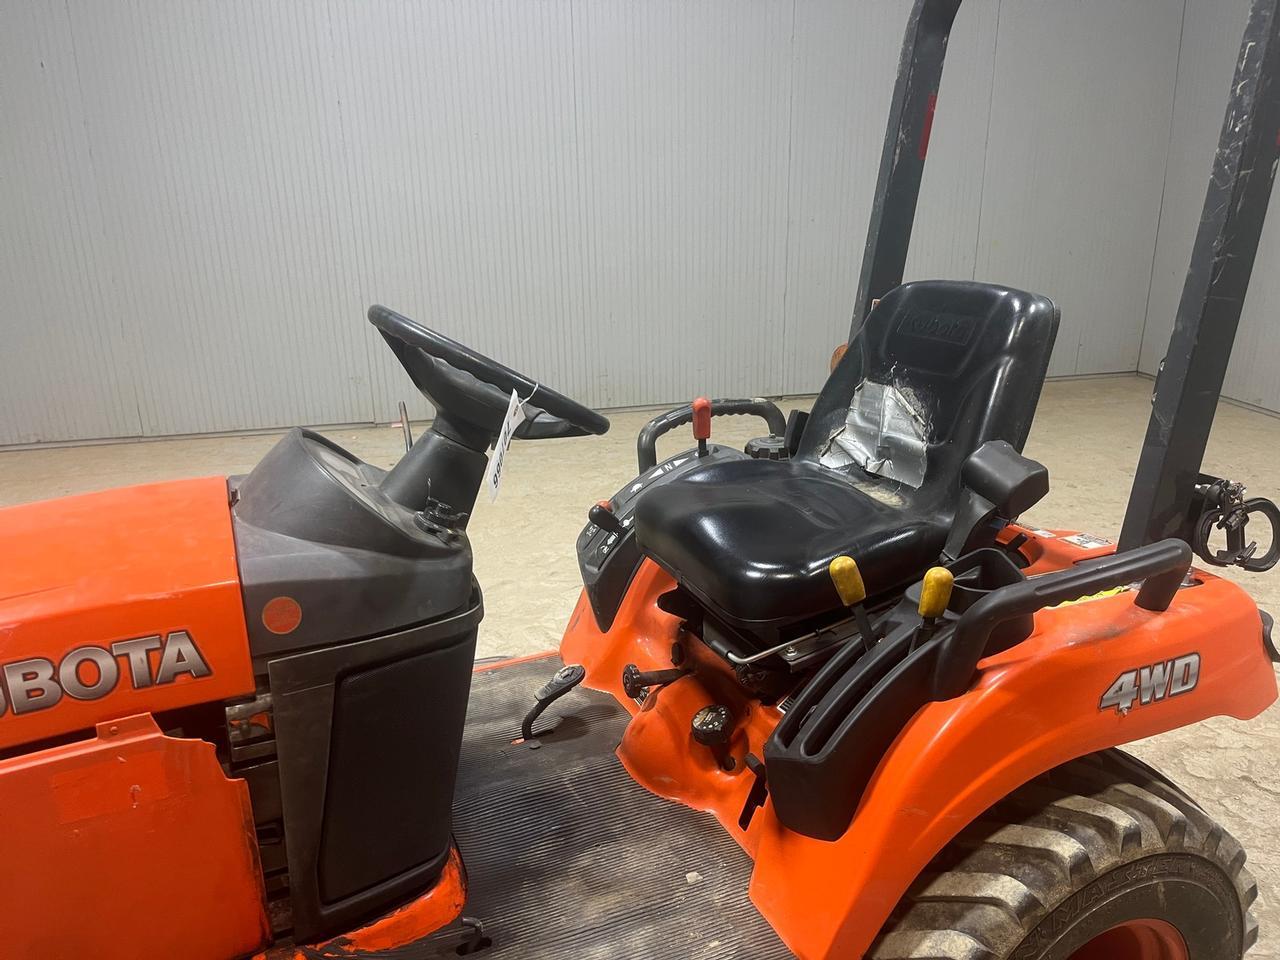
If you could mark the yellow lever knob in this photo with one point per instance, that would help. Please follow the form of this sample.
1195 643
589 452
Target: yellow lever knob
848 580
935 592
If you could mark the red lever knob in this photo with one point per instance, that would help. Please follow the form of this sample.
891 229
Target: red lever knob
702 419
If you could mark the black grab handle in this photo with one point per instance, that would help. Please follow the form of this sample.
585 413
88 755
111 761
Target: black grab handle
1160 566
647 441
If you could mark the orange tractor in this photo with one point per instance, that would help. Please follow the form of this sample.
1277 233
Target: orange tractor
823 697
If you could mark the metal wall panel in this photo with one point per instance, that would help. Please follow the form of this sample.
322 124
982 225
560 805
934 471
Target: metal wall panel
462 168
1210 45
65 364
1079 134
636 200
685 116
217 141
592 192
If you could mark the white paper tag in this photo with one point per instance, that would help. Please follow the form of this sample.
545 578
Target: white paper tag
493 472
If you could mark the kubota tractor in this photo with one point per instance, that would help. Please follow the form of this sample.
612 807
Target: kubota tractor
822 697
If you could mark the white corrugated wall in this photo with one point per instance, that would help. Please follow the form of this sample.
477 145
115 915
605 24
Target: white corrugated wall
1211 44
634 200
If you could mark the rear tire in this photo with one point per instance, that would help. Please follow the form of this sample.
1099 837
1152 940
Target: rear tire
1100 858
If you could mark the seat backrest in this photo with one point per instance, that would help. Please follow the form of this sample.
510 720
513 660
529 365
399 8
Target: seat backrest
938 368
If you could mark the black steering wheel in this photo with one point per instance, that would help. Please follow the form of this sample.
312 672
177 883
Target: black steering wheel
467 386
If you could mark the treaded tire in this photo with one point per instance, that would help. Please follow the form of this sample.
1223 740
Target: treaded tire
1092 844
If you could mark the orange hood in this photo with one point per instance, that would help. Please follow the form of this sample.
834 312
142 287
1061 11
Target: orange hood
117 603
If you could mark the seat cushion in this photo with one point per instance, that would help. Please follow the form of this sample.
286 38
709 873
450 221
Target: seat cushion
753 538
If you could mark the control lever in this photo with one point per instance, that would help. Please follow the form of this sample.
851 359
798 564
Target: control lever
636 681
847 578
1225 508
702 423
935 595
565 679
758 793
602 515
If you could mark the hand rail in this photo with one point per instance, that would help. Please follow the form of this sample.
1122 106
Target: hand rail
647 440
1160 566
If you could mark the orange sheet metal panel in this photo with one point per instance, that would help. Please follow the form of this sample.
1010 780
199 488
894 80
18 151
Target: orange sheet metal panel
116 603
396 933
1031 708
128 846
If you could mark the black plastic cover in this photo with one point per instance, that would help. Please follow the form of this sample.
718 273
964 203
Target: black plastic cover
312 524
1000 474
823 752
367 741
394 745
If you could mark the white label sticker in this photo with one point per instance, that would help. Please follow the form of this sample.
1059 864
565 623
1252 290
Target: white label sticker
1087 542
493 472
1042 534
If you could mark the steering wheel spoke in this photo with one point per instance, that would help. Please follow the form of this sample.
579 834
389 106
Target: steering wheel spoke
540 425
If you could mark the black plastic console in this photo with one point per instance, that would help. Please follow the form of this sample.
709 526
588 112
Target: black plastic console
822 754
609 559
313 524
365 682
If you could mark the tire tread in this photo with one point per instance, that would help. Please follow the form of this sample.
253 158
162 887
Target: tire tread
1020 860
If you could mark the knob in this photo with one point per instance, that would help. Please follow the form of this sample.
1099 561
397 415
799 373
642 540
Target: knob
847 579
702 423
636 682
767 448
602 515
712 725
935 592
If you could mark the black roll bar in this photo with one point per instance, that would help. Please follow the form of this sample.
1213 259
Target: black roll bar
906 145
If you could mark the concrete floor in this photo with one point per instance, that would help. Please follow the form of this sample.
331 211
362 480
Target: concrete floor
1088 432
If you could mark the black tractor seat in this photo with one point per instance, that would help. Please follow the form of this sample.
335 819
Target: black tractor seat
886 469
752 538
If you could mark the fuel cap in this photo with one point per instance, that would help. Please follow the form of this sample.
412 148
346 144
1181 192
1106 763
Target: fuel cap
767 448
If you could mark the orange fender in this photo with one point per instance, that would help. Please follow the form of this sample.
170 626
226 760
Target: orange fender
1033 707
1030 709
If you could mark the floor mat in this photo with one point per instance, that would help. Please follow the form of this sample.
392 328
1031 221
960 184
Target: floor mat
567 857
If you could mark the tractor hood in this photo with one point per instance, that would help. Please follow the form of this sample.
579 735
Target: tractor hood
117 603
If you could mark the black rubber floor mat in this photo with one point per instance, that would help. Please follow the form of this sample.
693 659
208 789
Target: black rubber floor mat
567 857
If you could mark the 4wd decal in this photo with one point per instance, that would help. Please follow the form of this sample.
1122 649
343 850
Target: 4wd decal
91 672
1152 684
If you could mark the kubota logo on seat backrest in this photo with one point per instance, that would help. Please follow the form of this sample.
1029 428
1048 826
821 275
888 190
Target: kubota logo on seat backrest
91 672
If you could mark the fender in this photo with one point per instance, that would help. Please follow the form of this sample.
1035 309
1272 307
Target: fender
1031 708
